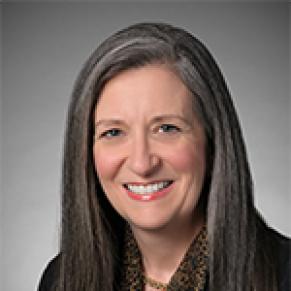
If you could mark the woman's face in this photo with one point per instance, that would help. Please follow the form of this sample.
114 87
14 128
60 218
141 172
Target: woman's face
149 149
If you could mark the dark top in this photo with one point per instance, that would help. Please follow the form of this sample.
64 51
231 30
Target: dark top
284 272
50 274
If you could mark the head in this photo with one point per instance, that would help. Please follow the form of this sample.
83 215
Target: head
206 159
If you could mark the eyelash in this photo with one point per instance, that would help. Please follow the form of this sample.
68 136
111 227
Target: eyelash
115 132
173 128
108 133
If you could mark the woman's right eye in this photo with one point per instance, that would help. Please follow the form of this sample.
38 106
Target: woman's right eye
114 132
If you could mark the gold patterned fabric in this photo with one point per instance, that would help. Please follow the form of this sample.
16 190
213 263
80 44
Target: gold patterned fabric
190 275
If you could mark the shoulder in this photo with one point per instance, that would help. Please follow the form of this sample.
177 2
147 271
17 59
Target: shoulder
50 274
282 245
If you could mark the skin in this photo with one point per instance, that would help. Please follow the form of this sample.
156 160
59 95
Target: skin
133 145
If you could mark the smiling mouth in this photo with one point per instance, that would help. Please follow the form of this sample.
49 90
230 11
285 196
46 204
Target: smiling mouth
148 189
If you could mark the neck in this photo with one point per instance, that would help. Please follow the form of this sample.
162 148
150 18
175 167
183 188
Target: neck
163 249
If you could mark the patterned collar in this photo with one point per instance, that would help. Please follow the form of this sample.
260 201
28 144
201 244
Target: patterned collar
190 275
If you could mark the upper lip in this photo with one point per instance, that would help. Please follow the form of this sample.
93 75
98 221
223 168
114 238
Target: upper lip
146 183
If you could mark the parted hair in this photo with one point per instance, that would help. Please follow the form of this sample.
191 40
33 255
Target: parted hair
92 231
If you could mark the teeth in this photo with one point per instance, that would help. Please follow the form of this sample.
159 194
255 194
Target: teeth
151 188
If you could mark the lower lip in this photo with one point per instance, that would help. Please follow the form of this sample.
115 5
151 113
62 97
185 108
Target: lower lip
150 197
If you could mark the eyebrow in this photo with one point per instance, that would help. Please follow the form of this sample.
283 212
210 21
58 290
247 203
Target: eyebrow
157 118
108 122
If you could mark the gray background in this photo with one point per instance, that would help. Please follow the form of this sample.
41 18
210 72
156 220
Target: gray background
44 46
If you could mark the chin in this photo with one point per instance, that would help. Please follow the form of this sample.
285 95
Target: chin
149 223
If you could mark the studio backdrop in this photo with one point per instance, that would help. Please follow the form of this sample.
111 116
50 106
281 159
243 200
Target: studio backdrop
43 49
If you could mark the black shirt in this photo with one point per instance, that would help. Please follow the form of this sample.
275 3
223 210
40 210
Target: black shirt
50 274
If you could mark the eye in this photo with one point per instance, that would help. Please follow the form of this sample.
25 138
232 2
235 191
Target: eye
113 132
168 128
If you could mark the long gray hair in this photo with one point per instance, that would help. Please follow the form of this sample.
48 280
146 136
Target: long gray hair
92 230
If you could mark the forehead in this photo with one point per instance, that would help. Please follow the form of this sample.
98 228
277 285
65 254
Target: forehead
147 90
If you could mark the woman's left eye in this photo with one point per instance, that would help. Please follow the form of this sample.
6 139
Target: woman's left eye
168 128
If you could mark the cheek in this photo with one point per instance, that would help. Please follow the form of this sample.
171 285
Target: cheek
189 158
106 165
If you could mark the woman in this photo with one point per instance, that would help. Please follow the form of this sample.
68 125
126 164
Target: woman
157 192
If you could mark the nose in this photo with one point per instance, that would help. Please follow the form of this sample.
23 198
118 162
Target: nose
141 159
